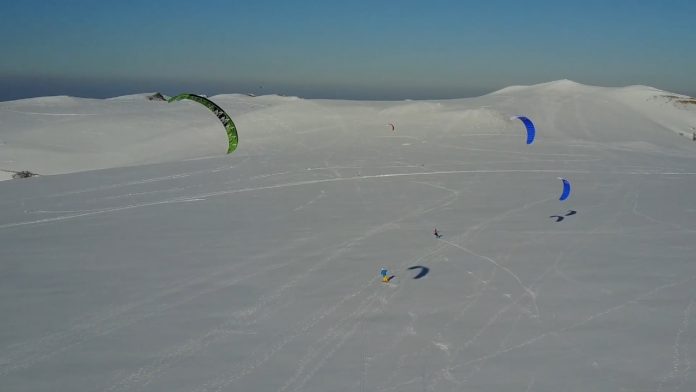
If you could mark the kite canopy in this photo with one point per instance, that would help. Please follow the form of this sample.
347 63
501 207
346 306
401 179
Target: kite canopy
224 118
391 125
566 189
531 130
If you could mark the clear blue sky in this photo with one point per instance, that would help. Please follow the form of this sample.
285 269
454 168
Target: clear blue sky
341 49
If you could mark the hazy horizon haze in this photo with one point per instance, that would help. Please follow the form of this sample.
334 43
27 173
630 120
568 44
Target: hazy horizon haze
330 49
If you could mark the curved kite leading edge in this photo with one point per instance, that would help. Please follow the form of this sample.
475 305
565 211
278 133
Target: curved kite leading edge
531 130
224 118
566 189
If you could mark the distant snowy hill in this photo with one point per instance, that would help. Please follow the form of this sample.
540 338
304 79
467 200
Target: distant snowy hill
53 135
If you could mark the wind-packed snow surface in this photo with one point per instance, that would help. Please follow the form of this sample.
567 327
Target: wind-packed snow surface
259 270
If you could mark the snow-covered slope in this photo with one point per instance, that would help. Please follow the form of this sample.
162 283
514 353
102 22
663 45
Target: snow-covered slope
258 271
53 135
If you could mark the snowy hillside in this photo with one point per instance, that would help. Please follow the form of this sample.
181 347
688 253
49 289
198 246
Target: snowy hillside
180 268
55 135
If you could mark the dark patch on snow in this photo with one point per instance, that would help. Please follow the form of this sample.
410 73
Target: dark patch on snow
156 97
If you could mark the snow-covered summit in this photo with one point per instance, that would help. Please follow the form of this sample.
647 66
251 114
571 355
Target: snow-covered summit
563 85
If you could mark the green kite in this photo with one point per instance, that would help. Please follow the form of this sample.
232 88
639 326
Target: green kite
224 118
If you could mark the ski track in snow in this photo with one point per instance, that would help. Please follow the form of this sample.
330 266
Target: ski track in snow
223 382
497 315
166 360
203 196
25 355
320 196
445 373
586 320
196 345
169 358
679 354
31 353
333 340
528 291
141 182
260 356
439 248
479 227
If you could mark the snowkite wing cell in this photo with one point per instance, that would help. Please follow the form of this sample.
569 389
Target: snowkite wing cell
224 118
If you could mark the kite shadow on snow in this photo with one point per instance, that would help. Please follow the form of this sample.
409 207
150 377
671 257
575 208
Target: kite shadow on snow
559 218
423 271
